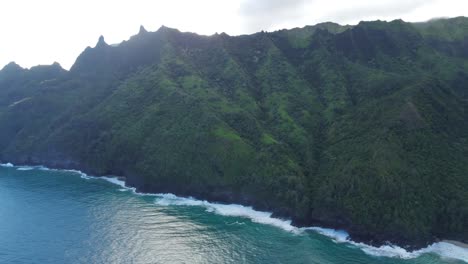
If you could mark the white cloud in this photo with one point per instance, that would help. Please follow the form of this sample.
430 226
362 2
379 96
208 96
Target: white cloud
363 9
258 15
351 12
41 32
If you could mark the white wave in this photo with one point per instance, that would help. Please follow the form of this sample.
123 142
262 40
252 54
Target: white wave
235 223
115 181
7 165
227 210
443 249
339 236
119 182
448 250
26 168
80 173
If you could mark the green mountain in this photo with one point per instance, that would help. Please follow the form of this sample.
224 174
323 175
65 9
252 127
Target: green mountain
358 127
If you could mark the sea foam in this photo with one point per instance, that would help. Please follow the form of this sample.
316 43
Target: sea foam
7 165
25 168
119 182
234 210
443 249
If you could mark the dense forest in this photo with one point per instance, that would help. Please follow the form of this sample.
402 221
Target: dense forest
359 127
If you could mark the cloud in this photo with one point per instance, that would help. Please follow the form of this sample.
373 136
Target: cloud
365 9
264 14
274 14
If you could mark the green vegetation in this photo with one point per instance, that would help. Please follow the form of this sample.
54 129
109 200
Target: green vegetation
358 127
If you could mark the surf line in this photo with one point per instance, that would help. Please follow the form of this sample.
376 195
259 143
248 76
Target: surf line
445 249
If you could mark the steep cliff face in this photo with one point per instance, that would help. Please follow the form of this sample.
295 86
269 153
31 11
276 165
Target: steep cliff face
363 127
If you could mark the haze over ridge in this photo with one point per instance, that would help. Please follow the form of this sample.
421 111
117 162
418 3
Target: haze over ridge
61 33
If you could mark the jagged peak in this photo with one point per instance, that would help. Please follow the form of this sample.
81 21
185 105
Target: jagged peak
142 30
56 64
12 66
222 34
101 42
163 28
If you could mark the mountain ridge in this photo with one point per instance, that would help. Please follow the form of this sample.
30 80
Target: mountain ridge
328 26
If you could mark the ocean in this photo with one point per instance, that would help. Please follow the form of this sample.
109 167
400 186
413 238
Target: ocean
58 216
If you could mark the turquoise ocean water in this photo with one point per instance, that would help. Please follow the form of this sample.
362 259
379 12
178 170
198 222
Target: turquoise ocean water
51 216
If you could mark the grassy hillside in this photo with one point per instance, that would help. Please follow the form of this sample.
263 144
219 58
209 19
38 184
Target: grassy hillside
359 127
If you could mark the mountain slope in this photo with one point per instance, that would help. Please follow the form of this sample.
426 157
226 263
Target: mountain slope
359 127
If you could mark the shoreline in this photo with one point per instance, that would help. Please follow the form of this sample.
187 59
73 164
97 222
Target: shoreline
338 235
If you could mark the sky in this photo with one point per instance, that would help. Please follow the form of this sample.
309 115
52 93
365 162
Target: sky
36 32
